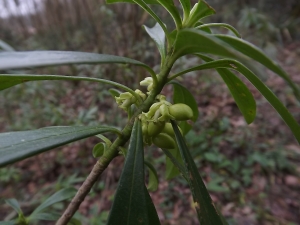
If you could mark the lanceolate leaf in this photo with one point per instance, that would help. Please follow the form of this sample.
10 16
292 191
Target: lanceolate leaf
131 203
199 11
186 6
264 90
171 8
59 196
6 47
142 4
14 204
15 146
45 216
255 53
158 35
10 80
207 213
191 41
224 25
239 91
17 60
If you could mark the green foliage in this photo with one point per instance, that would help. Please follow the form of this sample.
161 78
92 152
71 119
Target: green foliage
149 115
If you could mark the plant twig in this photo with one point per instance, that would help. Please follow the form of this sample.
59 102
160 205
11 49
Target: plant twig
83 191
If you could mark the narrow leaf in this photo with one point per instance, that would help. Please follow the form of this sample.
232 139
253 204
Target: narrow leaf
255 53
263 89
6 47
224 25
199 11
130 206
153 177
207 213
15 146
143 5
14 204
45 216
59 196
18 60
239 91
190 41
158 35
152 214
10 80
171 8
186 6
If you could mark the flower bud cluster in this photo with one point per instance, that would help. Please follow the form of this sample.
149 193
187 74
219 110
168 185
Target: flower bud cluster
126 99
156 126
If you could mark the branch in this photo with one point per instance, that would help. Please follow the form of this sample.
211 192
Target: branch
83 191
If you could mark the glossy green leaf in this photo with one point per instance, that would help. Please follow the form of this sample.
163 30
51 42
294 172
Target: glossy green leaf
239 91
12 222
59 196
152 214
10 80
255 53
6 47
153 177
199 11
261 87
143 5
45 216
190 41
131 203
186 6
207 213
14 204
173 163
130 1
99 149
15 146
18 60
171 8
224 25
158 35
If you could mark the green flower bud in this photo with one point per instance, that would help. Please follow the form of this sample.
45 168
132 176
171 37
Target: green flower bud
164 140
155 128
181 112
148 82
168 129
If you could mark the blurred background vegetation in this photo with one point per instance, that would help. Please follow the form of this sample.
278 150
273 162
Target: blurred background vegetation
252 172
